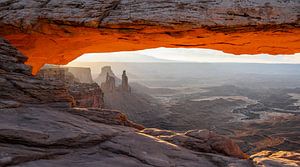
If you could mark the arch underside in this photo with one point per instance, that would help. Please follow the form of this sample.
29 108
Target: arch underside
63 44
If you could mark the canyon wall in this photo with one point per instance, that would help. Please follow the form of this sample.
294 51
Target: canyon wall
83 74
56 32
18 86
84 94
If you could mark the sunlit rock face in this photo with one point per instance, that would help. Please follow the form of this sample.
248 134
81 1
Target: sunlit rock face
56 32
199 140
280 158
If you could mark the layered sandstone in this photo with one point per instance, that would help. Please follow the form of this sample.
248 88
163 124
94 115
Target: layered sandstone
199 140
87 95
56 32
279 158
84 94
84 75
18 86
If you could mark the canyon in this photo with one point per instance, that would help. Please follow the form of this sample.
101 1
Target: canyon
32 109
254 105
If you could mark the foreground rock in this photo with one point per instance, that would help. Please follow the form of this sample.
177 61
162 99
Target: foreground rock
274 159
199 140
18 86
35 136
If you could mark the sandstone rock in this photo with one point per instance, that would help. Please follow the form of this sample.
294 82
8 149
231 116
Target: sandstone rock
25 89
199 140
105 116
124 85
101 78
276 159
44 136
65 30
84 94
92 13
56 74
204 13
17 85
109 86
157 132
84 75
162 154
11 60
34 133
9 104
110 83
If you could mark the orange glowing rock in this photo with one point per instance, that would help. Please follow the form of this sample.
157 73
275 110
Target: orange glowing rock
62 44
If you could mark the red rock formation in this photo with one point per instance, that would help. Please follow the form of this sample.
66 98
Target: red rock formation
57 32
85 94
109 85
280 158
199 140
18 86
56 74
125 86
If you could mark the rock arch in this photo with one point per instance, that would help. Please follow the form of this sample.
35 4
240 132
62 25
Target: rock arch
57 32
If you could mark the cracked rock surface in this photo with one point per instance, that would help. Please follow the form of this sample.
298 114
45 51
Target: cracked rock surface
95 13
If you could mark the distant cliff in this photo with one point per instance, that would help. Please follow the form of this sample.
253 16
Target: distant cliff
138 106
101 78
83 74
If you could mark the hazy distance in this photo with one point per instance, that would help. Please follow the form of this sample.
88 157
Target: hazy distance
186 55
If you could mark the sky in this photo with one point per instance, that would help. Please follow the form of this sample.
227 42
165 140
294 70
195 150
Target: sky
186 55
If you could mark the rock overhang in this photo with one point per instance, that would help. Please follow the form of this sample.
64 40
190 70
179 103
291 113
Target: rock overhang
57 32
